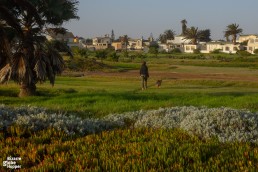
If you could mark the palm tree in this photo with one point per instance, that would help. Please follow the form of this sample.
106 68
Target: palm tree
193 34
233 30
168 34
35 60
184 27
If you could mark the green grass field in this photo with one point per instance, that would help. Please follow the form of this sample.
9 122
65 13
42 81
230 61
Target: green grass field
186 82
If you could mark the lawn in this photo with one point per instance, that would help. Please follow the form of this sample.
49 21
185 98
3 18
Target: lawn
186 82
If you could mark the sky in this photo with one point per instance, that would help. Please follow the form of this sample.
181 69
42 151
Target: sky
140 18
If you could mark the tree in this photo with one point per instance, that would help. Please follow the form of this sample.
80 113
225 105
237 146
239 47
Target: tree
168 34
101 54
154 49
233 30
124 40
34 59
205 35
193 34
184 27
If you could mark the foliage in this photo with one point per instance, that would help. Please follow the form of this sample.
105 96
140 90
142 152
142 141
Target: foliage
83 53
101 54
184 27
154 49
167 35
193 33
197 51
243 53
256 51
233 30
114 56
216 51
152 144
175 50
127 150
223 123
205 35
32 59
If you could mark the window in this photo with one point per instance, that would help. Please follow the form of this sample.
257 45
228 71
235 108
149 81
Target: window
250 48
192 47
256 40
226 48
235 49
187 48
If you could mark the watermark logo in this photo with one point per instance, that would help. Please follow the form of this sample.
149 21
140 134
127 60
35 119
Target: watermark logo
11 162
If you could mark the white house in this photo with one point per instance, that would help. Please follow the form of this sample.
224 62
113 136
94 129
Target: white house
179 41
252 45
225 47
243 38
101 42
135 44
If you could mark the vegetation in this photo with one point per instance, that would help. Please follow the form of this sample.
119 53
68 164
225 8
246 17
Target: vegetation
27 57
192 33
184 27
168 34
128 150
233 30
99 95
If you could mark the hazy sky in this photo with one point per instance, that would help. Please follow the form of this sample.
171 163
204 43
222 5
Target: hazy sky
137 18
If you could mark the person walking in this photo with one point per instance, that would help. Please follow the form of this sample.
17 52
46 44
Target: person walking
144 73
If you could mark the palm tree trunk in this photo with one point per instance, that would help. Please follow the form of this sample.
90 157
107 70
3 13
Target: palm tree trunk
27 90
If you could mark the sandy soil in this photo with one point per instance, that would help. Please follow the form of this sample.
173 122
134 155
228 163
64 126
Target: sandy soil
179 76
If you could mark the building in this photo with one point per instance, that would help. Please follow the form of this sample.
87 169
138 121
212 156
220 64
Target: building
252 44
118 46
101 43
243 38
135 44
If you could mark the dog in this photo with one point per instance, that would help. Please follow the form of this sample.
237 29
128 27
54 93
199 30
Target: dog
158 83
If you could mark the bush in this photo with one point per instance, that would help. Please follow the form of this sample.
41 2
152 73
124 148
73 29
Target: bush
175 50
196 51
256 51
216 51
114 57
243 53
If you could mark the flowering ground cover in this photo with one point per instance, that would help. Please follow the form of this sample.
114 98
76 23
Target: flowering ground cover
178 138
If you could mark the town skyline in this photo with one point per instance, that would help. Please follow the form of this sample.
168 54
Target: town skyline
140 19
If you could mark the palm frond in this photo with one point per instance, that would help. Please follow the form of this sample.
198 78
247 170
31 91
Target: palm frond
5 74
9 18
19 67
40 69
31 9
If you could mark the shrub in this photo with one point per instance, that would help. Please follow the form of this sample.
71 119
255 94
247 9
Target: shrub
175 50
196 51
256 51
223 123
243 53
216 51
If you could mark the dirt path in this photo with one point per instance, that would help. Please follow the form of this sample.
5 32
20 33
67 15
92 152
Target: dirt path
179 76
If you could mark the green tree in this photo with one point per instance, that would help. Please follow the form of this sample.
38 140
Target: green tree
184 27
101 54
34 59
193 34
114 56
154 49
233 30
168 34
205 35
